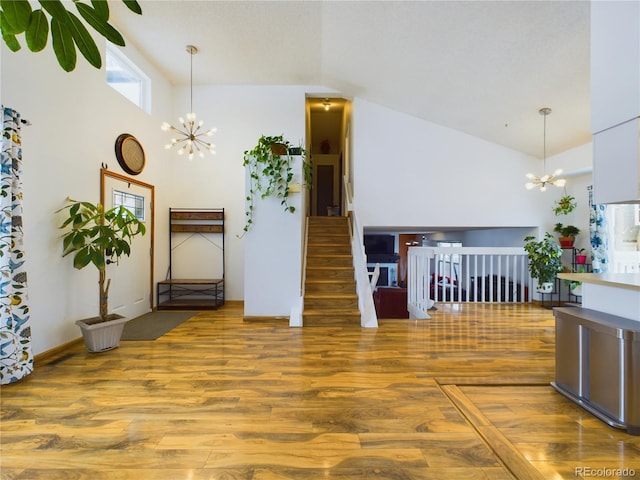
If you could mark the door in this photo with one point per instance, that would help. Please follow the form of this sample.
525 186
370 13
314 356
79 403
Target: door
132 277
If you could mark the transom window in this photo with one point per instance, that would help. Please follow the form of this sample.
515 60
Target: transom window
125 77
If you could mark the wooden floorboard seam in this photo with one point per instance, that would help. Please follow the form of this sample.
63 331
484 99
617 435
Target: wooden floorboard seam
507 454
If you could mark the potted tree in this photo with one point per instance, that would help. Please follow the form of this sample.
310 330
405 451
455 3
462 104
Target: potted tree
544 260
270 165
98 237
567 234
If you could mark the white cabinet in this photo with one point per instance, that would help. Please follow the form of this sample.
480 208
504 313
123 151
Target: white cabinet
615 63
615 100
616 164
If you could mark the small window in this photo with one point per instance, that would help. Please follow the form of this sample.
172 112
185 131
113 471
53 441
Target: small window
133 203
124 76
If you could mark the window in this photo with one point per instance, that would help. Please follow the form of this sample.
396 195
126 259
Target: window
133 203
624 230
124 76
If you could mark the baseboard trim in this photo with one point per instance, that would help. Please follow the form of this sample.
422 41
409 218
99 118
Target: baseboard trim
54 353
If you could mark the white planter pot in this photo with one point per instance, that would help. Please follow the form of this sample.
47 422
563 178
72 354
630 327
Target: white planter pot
545 287
102 336
577 290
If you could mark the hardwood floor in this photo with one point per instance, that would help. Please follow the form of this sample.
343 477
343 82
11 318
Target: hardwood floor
464 395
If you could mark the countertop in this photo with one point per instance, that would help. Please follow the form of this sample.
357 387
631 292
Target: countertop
629 281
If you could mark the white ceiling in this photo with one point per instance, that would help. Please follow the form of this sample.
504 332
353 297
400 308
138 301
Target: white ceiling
481 67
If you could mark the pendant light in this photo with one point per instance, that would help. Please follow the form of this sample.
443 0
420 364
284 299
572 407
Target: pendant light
545 179
189 136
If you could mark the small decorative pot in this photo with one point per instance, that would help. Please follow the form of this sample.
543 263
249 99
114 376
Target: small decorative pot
581 259
577 290
545 287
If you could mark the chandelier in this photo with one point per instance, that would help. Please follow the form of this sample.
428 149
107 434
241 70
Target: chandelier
545 179
189 137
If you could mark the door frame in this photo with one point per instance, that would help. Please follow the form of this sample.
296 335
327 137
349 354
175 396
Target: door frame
151 230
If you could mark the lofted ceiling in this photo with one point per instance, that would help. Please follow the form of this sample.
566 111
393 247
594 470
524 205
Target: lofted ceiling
481 67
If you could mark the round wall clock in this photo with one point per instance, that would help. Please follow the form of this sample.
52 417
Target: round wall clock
130 153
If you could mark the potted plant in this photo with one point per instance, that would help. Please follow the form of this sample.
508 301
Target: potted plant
98 237
575 286
565 205
270 165
544 260
581 258
567 234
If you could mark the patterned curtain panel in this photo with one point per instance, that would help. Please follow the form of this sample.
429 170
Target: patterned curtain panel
599 235
16 358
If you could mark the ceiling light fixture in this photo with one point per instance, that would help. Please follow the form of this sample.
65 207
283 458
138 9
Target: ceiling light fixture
190 135
545 179
327 104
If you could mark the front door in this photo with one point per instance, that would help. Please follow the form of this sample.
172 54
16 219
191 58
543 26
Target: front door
131 278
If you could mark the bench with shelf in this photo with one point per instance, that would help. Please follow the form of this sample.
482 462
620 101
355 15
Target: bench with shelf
192 293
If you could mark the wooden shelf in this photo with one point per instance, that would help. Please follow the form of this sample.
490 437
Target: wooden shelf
192 293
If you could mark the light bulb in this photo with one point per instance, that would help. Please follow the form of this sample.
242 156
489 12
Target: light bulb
529 185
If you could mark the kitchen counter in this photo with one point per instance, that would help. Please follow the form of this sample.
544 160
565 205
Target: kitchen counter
619 280
612 293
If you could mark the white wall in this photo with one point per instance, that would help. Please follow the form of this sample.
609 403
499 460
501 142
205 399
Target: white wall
76 118
409 172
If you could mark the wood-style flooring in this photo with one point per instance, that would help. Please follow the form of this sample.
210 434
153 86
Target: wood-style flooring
464 395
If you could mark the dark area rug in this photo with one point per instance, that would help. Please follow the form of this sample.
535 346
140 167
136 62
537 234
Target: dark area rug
153 325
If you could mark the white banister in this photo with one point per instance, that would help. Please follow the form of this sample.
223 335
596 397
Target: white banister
368 316
466 274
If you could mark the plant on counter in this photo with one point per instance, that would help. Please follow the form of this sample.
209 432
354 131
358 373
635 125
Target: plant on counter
544 257
565 205
270 165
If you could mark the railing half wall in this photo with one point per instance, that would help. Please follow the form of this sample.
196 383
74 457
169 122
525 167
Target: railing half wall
466 274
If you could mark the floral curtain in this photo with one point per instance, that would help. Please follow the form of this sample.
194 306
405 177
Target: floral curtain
16 358
599 236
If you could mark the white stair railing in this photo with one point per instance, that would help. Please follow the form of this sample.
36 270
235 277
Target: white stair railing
466 274
368 316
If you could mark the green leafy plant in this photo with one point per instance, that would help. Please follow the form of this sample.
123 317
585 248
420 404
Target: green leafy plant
270 166
566 230
565 205
544 257
67 30
98 237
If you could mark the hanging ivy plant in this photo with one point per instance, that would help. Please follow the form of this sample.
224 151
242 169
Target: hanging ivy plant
565 205
270 166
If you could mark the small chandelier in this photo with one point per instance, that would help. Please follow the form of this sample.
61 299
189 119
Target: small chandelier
189 137
545 179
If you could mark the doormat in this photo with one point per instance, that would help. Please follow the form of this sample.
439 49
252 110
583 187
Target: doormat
153 325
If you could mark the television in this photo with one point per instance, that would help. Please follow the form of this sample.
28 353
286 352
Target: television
378 244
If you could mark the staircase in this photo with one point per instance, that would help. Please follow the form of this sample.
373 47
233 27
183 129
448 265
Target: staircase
330 289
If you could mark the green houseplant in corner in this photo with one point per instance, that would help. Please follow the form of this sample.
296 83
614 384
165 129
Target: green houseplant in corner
98 237
544 260
270 167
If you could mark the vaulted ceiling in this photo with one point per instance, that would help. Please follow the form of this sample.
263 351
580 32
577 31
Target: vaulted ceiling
481 67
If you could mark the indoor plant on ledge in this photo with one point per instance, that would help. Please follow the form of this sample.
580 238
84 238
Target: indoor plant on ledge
567 234
98 237
544 260
270 166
